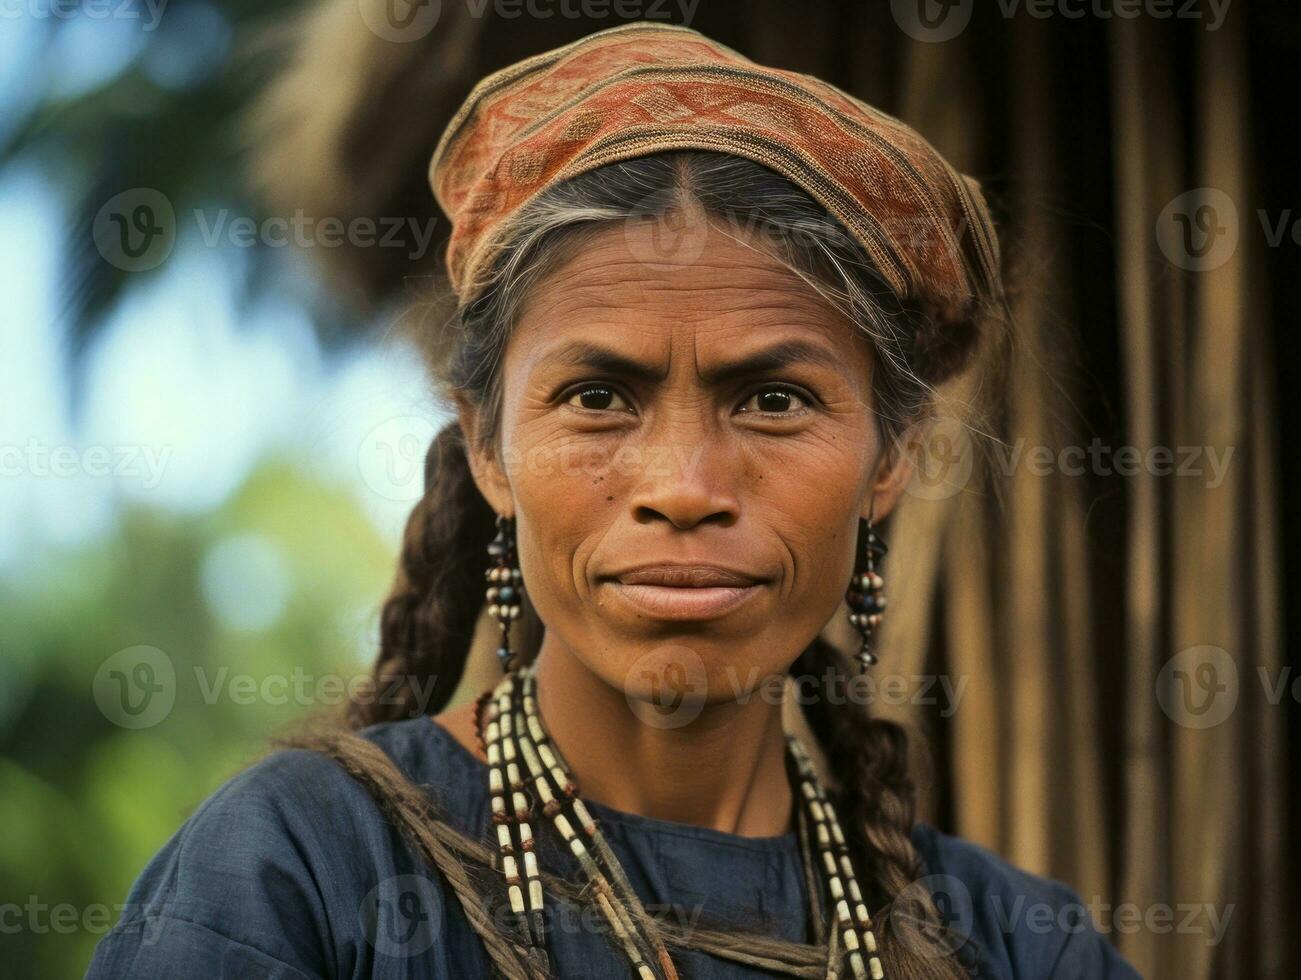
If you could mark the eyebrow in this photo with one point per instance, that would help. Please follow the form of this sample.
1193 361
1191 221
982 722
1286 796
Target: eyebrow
584 353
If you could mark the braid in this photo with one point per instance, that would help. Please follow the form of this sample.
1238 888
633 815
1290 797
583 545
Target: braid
868 758
416 817
427 622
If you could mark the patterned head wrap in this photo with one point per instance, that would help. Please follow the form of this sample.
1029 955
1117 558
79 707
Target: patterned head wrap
647 88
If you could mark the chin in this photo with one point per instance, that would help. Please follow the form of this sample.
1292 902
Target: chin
692 669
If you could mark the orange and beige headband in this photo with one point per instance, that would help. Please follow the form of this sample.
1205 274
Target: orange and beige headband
647 88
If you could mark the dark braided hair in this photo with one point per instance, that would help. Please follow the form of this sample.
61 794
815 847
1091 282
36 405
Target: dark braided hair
428 620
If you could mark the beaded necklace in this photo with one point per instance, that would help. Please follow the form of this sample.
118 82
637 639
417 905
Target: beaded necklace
525 768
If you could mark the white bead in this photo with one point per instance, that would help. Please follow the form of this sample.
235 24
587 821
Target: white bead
530 757
516 900
584 817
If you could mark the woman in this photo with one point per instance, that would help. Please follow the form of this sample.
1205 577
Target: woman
701 304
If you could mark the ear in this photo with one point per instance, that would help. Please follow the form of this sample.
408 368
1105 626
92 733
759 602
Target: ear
486 467
893 471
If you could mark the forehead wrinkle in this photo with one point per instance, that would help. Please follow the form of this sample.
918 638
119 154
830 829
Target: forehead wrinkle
603 288
611 296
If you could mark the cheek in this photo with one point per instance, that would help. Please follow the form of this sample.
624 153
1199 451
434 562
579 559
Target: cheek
567 494
810 492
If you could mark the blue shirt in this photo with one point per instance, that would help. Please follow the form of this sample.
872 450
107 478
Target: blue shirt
290 871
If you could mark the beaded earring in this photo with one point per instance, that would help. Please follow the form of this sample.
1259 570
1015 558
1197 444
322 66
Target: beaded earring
505 585
866 595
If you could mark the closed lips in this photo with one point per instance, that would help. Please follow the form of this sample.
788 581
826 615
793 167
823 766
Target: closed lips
687 577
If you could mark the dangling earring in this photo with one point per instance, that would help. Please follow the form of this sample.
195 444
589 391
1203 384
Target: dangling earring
505 585
866 595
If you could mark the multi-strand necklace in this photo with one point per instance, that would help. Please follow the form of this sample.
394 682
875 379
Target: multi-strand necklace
526 770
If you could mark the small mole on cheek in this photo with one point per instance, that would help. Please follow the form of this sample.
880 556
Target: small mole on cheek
611 497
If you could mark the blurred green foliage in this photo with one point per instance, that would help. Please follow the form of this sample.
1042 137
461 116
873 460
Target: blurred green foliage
84 802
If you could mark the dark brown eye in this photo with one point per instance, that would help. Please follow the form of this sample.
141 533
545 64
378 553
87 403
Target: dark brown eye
775 401
597 398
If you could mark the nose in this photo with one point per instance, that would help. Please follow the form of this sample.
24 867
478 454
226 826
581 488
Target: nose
687 480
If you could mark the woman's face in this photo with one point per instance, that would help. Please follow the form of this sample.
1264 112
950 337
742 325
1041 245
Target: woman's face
687 445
